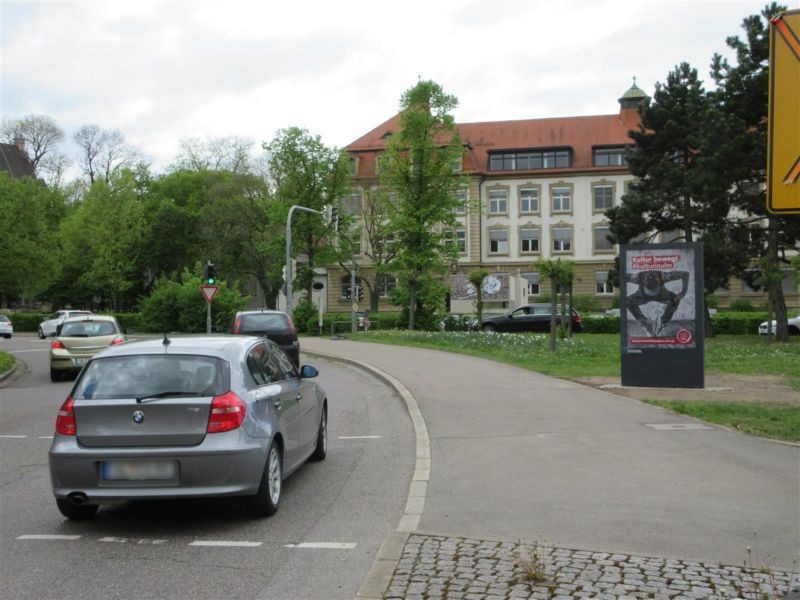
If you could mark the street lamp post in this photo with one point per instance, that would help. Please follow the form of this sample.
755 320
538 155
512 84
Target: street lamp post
288 283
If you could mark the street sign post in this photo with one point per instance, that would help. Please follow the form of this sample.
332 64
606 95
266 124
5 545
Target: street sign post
783 158
209 292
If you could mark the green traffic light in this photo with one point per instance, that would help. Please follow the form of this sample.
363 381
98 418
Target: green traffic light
210 281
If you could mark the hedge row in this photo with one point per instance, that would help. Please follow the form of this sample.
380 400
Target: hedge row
723 322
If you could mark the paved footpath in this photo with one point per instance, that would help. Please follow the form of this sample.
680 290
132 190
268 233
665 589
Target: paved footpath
635 501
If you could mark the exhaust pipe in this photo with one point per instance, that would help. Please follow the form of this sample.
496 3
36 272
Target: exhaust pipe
78 498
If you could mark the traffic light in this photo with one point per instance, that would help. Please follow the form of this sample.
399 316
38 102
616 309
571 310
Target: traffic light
208 273
334 218
360 292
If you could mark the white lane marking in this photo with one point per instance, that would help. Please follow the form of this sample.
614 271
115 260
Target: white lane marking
13 436
322 545
45 437
359 437
226 544
119 540
24 351
48 537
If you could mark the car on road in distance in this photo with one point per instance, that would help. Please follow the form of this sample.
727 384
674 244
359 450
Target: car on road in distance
6 327
78 339
273 324
49 326
186 418
528 317
794 326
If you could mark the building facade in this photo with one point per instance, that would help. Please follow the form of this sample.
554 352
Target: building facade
536 189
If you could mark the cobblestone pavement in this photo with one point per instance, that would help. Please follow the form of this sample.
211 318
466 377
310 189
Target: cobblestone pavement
433 567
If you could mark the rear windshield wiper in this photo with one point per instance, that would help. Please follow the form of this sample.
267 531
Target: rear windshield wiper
166 394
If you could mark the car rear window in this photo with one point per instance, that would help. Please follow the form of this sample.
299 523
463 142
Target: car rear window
3 318
137 376
263 322
89 329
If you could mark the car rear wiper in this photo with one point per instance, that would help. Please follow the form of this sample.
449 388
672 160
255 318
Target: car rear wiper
165 395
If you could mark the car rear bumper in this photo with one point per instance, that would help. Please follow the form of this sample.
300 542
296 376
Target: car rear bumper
219 466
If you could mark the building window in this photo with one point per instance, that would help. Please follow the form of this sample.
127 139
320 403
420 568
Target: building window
532 283
603 197
529 160
601 241
528 200
562 199
498 202
603 283
610 157
529 240
353 166
457 237
461 202
351 205
345 286
498 241
385 284
562 239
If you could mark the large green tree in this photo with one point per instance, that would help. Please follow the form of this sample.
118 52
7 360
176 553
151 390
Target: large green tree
304 171
29 251
677 191
102 244
741 157
418 168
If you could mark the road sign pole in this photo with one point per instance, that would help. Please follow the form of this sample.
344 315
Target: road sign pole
208 317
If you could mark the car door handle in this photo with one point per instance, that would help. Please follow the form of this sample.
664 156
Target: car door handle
277 404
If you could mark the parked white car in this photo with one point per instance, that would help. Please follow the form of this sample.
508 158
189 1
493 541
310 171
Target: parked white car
6 328
794 326
47 328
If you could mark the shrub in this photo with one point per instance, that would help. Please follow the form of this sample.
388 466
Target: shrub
181 307
27 321
741 305
737 323
305 316
585 303
601 324
457 322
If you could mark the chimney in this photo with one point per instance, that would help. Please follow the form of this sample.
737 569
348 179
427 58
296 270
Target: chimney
19 141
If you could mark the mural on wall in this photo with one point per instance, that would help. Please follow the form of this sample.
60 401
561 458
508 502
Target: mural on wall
495 287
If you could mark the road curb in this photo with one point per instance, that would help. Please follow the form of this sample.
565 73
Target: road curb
380 574
10 372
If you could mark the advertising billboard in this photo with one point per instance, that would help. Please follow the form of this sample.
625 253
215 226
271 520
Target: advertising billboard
661 301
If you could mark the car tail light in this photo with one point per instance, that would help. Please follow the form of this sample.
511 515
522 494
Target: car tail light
227 413
292 328
117 340
577 318
57 345
237 326
65 421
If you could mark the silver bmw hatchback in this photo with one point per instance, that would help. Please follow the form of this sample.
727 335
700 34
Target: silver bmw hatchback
186 418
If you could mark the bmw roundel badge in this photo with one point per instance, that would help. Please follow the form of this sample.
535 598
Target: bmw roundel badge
138 417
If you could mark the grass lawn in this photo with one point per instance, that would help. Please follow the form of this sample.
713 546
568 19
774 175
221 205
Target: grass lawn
777 422
599 355
6 361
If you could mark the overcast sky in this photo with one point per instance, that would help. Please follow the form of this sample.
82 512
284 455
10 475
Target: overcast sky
164 70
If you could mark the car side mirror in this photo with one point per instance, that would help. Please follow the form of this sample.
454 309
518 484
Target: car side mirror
307 372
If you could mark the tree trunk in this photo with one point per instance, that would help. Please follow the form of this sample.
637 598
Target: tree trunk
775 288
412 304
569 311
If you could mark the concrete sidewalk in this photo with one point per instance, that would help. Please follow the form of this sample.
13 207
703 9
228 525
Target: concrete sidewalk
517 455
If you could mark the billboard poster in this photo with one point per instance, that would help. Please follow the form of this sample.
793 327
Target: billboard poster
660 297
495 287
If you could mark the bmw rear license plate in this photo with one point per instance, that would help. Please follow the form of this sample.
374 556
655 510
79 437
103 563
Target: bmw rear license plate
140 470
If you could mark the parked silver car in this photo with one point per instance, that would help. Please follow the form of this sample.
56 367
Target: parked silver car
186 418
6 328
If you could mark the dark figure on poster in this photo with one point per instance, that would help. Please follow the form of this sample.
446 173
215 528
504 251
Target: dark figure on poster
653 288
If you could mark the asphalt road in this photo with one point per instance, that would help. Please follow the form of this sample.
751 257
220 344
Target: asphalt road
321 544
